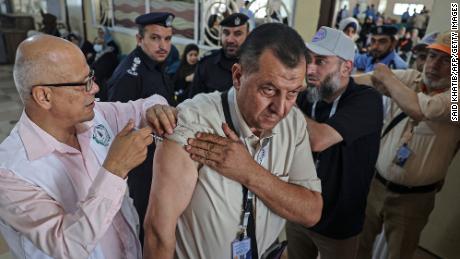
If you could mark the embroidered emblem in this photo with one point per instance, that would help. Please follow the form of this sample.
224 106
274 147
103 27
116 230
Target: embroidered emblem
320 35
237 21
132 70
169 21
101 135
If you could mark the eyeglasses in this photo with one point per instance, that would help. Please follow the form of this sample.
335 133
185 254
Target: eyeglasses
88 84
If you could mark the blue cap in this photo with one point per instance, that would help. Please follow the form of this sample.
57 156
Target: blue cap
163 19
388 30
234 20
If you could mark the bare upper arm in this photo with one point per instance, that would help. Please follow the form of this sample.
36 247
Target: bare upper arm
174 178
322 135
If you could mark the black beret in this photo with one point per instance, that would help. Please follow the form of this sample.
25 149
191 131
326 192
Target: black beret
234 20
389 30
163 19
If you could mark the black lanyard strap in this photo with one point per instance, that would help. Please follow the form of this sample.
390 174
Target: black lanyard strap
393 123
247 204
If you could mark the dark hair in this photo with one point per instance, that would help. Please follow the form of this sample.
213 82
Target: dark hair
287 45
211 20
185 68
187 49
141 29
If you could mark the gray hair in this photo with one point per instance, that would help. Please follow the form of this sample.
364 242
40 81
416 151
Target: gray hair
33 67
25 73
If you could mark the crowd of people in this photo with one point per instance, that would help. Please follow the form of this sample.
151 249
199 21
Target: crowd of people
358 24
268 132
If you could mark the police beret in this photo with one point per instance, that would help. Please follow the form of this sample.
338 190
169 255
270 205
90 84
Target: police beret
234 20
389 30
163 19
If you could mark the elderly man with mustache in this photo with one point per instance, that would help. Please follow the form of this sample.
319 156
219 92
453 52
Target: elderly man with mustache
418 145
63 167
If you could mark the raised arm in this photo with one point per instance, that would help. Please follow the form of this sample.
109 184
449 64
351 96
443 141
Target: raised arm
174 179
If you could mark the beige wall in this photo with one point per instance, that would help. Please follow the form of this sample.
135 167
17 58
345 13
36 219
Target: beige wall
306 17
440 16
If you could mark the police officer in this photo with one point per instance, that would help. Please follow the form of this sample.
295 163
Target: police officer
214 71
381 50
141 75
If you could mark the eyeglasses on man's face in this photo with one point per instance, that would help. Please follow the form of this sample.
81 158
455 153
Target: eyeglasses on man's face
87 83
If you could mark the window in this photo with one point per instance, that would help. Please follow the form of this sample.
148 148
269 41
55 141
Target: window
400 8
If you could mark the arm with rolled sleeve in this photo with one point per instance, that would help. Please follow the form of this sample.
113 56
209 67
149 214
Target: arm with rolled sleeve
175 176
436 107
29 210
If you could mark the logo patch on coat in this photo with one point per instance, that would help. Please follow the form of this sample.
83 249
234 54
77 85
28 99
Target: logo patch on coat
101 135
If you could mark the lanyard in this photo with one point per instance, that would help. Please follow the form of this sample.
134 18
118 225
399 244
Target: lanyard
333 109
247 223
248 196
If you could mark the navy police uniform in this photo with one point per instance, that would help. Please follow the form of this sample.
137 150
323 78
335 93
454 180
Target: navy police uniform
139 76
214 71
366 62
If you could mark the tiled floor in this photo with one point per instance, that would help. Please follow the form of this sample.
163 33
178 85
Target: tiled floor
10 110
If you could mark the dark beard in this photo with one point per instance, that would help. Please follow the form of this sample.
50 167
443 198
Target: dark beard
374 54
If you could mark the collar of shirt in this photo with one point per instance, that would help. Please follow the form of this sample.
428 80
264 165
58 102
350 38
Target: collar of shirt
149 62
241 126
39 143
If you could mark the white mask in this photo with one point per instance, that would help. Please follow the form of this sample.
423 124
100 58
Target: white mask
97 48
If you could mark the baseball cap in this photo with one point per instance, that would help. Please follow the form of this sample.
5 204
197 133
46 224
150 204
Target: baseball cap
331 42
389 30
442 43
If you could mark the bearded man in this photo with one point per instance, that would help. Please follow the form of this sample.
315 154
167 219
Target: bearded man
214 71
416 151
344 121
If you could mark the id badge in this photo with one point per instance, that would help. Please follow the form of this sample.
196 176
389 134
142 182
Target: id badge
241 249
402 155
